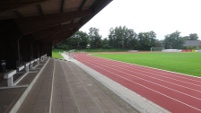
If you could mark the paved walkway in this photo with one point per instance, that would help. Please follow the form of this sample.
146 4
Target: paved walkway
73 91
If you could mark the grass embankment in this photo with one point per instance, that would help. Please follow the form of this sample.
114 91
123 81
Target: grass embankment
56 54
188 63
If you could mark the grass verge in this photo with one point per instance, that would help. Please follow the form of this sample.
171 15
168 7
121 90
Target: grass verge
56 53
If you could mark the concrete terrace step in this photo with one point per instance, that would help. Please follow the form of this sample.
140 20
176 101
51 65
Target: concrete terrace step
38 99
10 98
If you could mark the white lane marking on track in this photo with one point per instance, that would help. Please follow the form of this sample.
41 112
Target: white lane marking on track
162 80
170 77
149 81
147 74
152 90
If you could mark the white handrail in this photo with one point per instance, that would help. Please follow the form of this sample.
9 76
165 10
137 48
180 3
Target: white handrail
9 75
20 68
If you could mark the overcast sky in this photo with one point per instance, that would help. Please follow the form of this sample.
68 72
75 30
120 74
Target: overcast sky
161 16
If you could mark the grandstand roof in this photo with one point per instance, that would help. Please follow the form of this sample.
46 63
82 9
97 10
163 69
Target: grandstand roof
50 20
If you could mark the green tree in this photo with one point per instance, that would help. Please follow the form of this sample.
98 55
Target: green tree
173 41
94 38
79 40
132 41
116 37
146 40
112 38
105 43
186 37
122 38
158 43
193 36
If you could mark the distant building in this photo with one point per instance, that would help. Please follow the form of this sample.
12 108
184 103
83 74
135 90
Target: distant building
88 46
192 43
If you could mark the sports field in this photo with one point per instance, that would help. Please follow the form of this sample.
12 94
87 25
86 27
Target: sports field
188 63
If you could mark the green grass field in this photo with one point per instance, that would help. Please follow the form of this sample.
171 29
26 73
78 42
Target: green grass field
188 63
56 54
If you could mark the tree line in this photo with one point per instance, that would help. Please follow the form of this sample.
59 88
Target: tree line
123 38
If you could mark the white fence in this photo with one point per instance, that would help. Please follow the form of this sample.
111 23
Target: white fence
9 75
171 50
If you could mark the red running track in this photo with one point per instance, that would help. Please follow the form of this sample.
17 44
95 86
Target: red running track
175 92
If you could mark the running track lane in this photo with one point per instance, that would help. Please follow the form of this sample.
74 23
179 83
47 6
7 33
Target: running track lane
175 92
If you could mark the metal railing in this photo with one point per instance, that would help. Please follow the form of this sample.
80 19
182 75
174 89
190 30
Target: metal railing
25 69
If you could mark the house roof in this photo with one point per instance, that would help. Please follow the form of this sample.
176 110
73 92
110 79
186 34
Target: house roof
195 43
